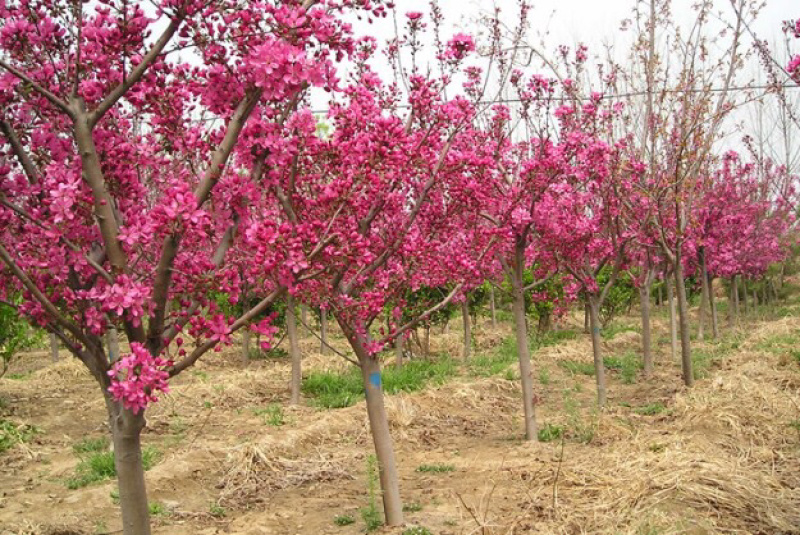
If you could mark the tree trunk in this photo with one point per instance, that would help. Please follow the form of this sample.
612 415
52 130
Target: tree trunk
112 341
492 306
294 351
545 322
304 316
744 297
427 348
245 346
599 368
398 352
586 319
712 302
660 295
673 323
53 347
126 430
524 355
733 303
644 299
379 426
323 332
467 328
683 322
701 313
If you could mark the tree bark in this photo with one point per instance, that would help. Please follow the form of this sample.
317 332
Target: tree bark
701 313
126 429
294 351
323 332
523 355
398 352
733 303
112 341
683 322
644 299
712 302
53 347
379 426
673 322
586 319
545 322
492 306
744 296
593 303
467 328
304 316
245 346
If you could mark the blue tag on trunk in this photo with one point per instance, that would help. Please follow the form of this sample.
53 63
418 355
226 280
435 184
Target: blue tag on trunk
375 379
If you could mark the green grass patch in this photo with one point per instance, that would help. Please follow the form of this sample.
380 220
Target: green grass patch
609 332
12 434
344 520
271 415
90 445
413 507
651 409
544 376
627 366
157 509
553 338
97 466
217 511
436 468
577 368
417 530
19 376
336 390
550 432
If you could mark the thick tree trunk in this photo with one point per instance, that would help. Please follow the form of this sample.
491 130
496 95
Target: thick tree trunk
701 313
323 332
467 328
112 341
673 321
492 306
644 299
294 351
524 356
545 322
126 430
53 347
597 352
683 322
379 426
712 302
245 346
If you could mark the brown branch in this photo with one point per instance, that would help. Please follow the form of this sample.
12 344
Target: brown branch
135 75
19 151
52 98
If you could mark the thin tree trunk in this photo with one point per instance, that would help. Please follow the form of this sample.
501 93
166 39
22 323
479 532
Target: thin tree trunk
733 304
683 322
294 351
586 319
126 429
398 352
712 302
492 306
53 347
644 299
245 346
660 295
599 368
467 328
673 321
379 426
304 316
744 297
524 355
701 313
427 348
323 332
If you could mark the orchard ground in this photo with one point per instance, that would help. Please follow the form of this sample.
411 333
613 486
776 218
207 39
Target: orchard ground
230 456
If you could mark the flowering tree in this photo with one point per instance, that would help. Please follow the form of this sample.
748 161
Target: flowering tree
128 175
